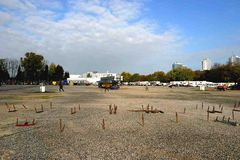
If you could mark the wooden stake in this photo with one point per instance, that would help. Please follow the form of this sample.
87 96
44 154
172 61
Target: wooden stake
61 125
79 107
115 109
42 107
17 122
24 106
103 124
142 119
233 114
148 108
7 106
50 105
228 119
184 110
208 116
223 118
176 117
202 105
110 109
33 122
196 106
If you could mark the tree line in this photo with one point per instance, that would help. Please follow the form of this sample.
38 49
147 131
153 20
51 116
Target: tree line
30 69
219 73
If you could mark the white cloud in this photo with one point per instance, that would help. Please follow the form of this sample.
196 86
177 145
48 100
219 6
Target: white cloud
4 17
91 35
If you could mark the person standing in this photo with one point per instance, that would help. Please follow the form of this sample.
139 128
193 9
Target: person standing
60 86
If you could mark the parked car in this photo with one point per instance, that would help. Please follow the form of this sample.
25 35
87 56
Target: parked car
222 88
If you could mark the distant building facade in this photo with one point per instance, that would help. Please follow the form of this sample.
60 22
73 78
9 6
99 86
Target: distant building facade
176 65
92 77
233 60
206 64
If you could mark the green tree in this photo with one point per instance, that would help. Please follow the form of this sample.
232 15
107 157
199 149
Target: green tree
66 75
199 75
45 74
235 73
160 76
181 74
134 78
19 76
32 64
51 72
4 75
59 73
89 75
126 76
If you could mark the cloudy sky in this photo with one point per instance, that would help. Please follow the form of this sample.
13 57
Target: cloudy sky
121 35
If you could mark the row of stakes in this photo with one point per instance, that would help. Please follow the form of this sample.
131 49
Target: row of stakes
26 123
113 110
13 108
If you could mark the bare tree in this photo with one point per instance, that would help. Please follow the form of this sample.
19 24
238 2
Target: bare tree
12 67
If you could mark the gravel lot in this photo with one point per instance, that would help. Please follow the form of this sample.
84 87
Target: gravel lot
193 137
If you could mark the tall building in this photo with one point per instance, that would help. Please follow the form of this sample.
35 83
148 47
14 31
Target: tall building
234 60
206 64
176 65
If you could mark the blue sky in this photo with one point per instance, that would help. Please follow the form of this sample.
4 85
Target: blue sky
121 35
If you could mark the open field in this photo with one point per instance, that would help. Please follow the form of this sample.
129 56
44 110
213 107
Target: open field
124 136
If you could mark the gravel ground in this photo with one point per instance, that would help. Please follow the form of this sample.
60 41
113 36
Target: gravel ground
193 137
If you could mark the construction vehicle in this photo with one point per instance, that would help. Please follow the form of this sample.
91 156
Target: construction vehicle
108 83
